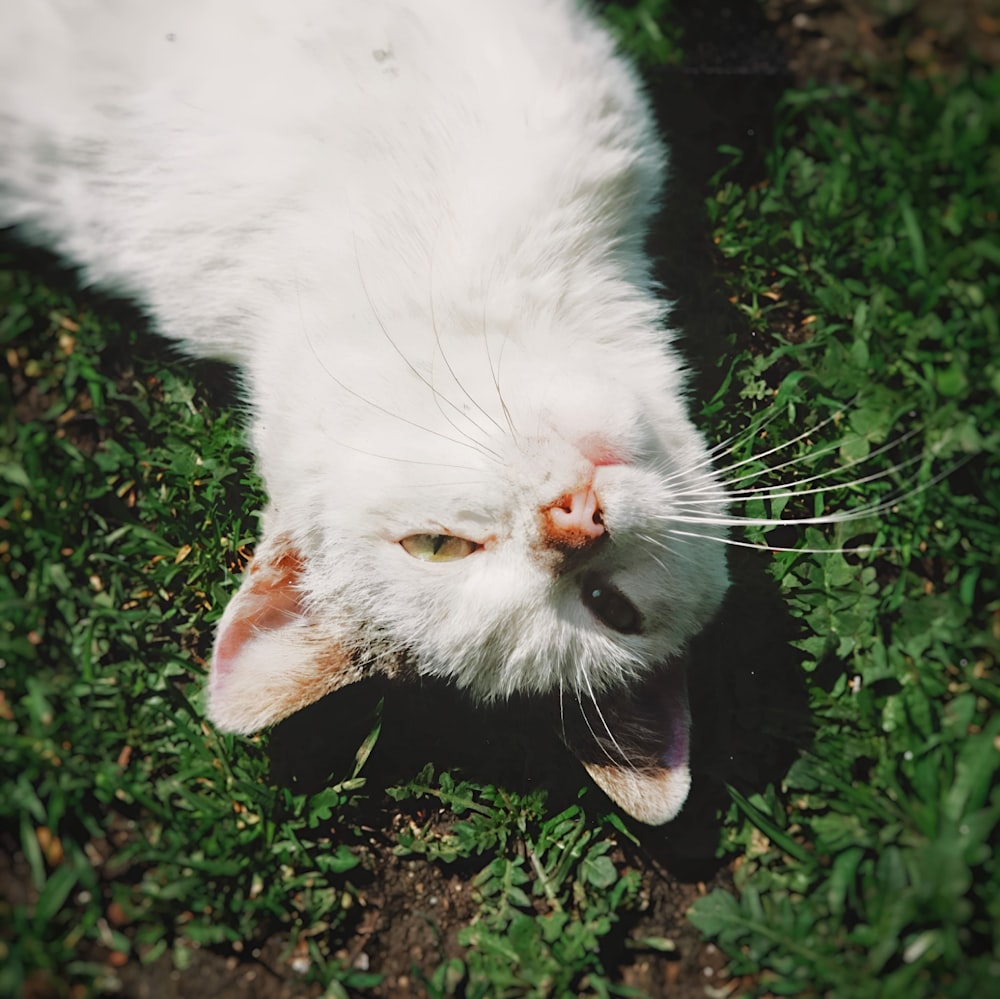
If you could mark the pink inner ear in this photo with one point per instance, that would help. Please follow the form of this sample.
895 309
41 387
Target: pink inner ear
270 599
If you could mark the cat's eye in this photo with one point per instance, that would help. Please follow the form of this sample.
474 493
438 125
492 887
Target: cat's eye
609 605
438 547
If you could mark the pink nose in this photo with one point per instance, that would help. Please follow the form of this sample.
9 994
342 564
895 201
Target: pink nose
574 520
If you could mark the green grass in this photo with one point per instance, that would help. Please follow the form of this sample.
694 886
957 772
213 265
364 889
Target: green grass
869 260
124 496
867 265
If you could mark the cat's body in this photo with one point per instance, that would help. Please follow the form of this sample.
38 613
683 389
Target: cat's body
418 227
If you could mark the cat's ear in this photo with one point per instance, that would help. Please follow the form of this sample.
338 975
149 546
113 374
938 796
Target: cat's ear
272 656
634 744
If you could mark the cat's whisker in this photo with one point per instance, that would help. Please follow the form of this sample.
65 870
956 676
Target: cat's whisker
729 443
444 356
597 739
659 544
600 714
764 547
707 462
805 435
374 405
437 403
438 483
495 368
593 734
843 516
562 709
396 458
777 492
807 458
656 558
827 449
437 395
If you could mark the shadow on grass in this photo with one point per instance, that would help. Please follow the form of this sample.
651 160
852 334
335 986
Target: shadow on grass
147 353
747 698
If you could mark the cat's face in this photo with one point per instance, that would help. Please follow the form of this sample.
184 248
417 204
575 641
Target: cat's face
499 517
553 570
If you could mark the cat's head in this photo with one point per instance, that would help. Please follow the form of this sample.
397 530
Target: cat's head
504 518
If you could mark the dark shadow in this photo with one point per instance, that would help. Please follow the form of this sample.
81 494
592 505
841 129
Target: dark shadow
724 94
748 698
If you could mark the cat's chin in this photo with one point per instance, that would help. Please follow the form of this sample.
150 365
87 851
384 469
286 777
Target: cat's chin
634 743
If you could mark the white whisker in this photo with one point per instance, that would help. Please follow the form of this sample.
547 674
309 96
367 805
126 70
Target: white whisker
729 443
868 510
495 368
392 457
793 491
600 714
706 463
857 550
805 435
438 484
437 395
604 749
659 544
376 406
444 357
811 456
562 710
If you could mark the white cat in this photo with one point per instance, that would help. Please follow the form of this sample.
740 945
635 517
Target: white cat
418 227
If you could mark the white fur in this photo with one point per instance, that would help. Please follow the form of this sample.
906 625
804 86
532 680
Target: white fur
418 225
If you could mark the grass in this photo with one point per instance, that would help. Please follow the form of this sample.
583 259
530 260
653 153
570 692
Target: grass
866 264
868 260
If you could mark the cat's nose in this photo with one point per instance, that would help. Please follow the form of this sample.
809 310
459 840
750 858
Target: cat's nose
575 520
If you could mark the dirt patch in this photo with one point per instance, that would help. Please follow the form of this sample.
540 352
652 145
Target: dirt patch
683 971
412 914
848 39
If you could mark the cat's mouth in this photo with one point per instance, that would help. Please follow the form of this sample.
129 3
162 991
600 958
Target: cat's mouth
634 743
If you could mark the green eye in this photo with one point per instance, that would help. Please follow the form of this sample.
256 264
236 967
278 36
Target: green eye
438 547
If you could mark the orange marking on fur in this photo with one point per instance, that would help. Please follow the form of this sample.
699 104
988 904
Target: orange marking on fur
330 669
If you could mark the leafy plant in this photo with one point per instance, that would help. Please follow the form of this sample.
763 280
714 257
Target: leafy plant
647 30
546 900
